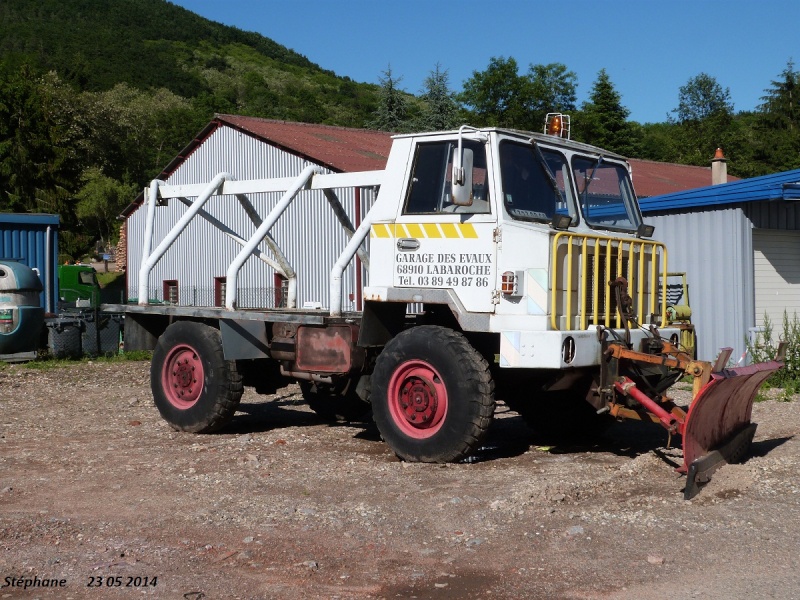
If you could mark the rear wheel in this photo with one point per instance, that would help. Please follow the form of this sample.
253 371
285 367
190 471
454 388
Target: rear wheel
432 395
334 402
194 388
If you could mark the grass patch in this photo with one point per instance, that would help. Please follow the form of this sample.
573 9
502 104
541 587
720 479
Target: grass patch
765 348
133 355
106 279
51 362
48 362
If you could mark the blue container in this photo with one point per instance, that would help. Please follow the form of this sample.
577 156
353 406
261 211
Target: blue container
32 239
21 316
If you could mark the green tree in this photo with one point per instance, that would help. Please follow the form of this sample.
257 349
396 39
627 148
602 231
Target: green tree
701 98
658 141
392 111
704 115
440 109
495 96
781 102
99 202
604 121
548 88
40 153
502 97
137 132
778 144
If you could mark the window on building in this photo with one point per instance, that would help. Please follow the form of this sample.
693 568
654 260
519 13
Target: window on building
219 291
170 291
281 290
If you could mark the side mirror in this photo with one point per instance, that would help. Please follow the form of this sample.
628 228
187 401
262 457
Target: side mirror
461 183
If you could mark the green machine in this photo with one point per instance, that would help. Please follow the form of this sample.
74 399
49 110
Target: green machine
78 287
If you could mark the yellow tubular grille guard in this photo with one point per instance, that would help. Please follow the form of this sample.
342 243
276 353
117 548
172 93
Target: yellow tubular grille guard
582 266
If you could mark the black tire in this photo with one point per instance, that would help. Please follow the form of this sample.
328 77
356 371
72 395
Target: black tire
334 403
432 395
188 402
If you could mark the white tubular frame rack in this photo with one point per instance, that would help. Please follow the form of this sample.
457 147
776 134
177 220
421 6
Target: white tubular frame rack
225 185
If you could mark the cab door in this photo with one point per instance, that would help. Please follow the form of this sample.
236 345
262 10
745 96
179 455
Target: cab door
439 245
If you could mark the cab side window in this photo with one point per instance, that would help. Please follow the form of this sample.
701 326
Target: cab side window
430 191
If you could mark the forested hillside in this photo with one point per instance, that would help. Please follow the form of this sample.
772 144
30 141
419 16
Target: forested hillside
96 96
148 44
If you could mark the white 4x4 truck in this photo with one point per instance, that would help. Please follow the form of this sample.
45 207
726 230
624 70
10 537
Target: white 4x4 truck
533 280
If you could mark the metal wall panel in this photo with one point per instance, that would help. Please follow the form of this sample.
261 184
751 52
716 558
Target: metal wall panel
774 214
308 232
715 249
27 241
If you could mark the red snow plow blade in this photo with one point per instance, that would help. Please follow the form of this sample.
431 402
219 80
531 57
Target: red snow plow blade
716 428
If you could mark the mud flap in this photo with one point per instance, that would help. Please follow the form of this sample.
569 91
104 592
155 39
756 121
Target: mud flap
717 429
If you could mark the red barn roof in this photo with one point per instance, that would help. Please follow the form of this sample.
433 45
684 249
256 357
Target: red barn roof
652 178
338 148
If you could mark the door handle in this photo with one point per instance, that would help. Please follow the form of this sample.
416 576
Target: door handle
407 244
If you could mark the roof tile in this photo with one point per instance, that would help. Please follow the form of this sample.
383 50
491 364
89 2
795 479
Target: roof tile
652 178
339 148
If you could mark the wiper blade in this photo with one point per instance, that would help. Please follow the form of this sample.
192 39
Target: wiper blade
588 180
547 171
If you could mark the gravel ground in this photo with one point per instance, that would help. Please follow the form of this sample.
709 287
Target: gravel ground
99 498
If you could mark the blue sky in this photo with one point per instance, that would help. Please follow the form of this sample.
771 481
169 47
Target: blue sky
649 48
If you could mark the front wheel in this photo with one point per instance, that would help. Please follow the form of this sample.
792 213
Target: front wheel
194 388
432 395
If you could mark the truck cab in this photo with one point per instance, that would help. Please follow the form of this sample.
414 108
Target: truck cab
78 286
527 251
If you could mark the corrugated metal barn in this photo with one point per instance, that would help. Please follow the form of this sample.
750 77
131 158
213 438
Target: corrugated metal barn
193 270
739 244
32 239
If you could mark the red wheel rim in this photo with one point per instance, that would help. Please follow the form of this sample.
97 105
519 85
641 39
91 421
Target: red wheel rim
182 377
417 399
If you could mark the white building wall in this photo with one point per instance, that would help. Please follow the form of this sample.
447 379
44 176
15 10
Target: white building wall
715 249
308 232
777 277
777 246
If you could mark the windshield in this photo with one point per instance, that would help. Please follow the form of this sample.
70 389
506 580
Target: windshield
605 194
534 182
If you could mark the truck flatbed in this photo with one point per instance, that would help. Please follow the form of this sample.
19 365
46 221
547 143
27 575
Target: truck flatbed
306 316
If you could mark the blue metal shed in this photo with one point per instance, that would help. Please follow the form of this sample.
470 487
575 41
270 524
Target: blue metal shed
732 239
32 239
